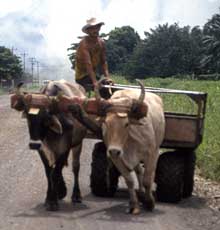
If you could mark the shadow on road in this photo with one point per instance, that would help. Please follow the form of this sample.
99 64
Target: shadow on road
107 209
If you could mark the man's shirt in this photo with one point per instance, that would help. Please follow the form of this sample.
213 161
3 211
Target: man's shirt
89 53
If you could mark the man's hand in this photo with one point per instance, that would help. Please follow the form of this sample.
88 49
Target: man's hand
109 81
106 81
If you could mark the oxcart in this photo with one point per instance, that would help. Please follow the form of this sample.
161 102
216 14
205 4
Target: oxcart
176 165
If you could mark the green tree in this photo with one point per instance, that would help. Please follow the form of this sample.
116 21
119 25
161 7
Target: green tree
211 42
141 62
196 37
165 51
120 46
72 55
10 65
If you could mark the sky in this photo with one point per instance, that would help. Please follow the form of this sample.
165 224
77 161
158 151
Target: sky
44 29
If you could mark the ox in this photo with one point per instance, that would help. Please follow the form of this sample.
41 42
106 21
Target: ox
58 134
133 130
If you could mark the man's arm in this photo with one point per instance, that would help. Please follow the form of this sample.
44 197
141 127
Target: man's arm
91 72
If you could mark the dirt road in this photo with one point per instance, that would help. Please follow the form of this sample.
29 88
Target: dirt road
23 189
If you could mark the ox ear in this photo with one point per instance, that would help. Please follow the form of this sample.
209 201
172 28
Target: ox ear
138 110
55 125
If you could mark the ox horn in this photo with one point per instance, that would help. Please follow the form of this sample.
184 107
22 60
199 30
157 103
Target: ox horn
142 95
139 108
17 100
18 89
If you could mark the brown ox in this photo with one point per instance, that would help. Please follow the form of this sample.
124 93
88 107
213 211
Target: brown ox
133 130
58 133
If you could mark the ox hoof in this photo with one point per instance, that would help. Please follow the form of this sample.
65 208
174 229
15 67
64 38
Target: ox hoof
149 205
76 199
51 206
133 211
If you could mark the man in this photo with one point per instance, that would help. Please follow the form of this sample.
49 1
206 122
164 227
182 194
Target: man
90 55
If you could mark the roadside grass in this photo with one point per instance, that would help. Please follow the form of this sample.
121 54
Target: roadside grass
208 153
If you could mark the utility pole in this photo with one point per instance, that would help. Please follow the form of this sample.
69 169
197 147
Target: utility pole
24 59
13 49
38 76
32 61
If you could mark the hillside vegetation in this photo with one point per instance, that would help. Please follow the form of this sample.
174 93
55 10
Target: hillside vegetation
208 153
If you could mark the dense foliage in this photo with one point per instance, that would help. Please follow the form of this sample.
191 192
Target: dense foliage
10 65
211 41
120 47
167 50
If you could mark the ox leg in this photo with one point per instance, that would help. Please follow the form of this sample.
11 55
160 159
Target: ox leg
51 201
56 185
149 173
129 180
76 195
134 203
140 175
58 176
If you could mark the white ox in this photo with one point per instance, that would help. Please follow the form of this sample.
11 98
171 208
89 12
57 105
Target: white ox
132 138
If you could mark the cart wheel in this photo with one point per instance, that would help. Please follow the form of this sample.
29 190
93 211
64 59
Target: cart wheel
189 169
104 175
170 177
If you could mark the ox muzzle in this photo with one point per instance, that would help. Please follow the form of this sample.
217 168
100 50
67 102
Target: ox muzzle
114 152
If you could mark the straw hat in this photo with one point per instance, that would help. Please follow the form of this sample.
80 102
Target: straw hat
90 23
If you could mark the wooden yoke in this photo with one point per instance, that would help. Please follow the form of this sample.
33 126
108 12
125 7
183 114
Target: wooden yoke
29 101
61 102
90 106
